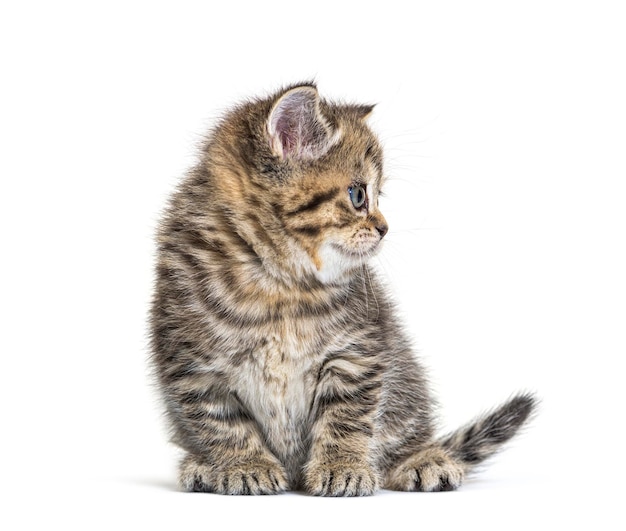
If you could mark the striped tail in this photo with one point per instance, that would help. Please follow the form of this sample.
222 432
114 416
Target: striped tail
480 439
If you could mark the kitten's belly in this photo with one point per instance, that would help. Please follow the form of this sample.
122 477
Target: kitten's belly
277 385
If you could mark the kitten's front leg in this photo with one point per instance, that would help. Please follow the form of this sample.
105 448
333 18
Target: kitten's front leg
227 454
340 461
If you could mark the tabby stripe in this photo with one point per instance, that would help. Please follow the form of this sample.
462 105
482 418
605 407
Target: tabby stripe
310 230
335 304
361 398
344 428
345 207
351 379
201 238
215 305
314 202
314 230
217 419
176 373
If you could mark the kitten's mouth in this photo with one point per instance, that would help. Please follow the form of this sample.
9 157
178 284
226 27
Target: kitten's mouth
361 251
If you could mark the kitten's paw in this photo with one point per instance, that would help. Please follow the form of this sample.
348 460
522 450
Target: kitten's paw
340 479
259 476
430 470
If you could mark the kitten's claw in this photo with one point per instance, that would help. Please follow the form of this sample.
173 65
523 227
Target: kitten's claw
431 470
260 476
341 479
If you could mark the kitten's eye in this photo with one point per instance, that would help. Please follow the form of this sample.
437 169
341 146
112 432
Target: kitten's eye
358 196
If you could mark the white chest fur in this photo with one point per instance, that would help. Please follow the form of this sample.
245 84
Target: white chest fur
276 385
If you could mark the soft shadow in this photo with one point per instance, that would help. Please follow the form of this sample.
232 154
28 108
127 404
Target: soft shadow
155 483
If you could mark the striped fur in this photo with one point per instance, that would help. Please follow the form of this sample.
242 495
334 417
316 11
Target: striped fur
278 353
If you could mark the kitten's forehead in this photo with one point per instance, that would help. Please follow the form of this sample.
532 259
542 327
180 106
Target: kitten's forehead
373 162
359 153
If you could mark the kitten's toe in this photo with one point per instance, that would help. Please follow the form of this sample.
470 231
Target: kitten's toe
341 479
259 476
252 479
431 470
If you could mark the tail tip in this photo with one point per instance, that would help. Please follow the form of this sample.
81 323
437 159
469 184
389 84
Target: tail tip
485 436
522 407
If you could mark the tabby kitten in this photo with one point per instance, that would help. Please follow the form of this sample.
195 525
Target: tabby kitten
280 359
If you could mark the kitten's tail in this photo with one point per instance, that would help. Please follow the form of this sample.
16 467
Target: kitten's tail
480 439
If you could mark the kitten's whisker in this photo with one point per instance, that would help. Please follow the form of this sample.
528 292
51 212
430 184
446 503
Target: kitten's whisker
415 229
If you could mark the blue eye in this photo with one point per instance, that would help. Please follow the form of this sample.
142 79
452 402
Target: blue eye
358 196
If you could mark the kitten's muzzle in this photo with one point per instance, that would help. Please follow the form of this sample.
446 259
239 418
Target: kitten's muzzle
378 221
382 229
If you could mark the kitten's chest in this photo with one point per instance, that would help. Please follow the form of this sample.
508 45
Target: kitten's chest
277 383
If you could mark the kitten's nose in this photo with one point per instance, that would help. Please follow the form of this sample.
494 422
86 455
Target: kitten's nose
382 229
379 222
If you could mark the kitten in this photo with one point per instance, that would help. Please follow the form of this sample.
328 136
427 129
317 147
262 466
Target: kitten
280 359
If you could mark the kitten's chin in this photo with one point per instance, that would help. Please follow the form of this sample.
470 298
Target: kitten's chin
336 262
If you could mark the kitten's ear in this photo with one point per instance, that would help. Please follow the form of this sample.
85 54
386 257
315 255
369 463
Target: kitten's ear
363 111
296 127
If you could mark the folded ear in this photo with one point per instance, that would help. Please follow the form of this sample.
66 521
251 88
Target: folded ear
296 127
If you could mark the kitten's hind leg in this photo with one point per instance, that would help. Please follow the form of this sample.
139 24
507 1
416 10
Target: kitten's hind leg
441 465
429 470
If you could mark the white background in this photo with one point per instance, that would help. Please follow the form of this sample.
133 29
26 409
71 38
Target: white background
505 130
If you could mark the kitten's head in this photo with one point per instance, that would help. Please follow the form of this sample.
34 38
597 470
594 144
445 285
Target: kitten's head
300 178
